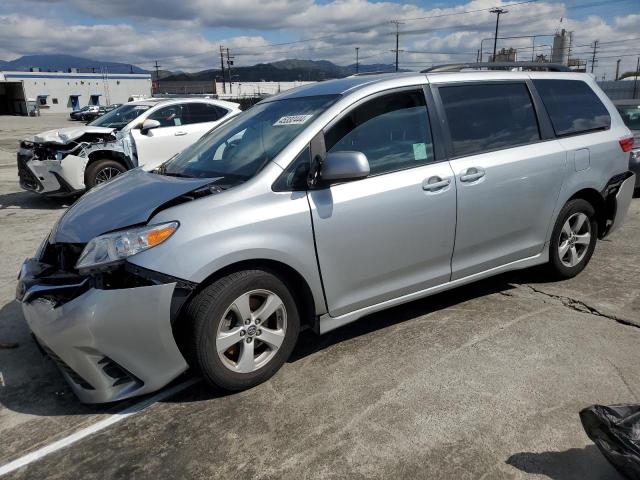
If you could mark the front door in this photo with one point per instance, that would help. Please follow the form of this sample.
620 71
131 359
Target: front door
508 179
392 233
171 137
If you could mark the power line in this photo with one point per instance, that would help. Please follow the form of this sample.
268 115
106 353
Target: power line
369 27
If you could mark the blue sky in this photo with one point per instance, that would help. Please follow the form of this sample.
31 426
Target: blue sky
186 34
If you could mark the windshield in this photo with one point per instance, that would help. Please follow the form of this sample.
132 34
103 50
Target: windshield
241 147
630 115
119 117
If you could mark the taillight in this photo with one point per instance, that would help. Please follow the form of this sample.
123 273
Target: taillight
626 144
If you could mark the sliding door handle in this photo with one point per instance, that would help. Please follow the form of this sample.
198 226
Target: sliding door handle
472 174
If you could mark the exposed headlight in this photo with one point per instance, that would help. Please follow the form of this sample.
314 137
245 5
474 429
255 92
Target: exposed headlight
111 248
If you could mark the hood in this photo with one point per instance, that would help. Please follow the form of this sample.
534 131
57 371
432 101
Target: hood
62 136
129 199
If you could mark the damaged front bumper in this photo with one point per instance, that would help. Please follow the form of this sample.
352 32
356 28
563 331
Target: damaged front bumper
110 343
51 177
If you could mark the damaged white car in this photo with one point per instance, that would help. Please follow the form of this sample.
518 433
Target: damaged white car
144 133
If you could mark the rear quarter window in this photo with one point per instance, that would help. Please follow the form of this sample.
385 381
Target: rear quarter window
574 108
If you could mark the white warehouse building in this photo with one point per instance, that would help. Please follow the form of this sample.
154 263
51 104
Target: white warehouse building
57 92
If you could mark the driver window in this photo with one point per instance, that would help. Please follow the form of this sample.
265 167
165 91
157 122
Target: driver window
169 116
391 130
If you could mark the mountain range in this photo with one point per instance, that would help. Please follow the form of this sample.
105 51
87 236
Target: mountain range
55 63
283 70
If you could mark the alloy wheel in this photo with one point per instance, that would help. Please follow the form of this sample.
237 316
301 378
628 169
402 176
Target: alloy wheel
251 331
575 238
106 174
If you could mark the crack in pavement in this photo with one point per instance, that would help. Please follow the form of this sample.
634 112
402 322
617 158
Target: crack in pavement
580 306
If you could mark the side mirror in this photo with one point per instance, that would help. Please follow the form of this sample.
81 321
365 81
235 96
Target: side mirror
344 167
148 124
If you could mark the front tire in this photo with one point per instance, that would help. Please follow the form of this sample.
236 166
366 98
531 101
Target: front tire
243 329
102 171
573 239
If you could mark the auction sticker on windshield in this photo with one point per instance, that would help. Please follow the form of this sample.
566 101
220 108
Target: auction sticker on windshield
292 120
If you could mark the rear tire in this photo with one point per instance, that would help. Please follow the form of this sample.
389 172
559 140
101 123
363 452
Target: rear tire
243 328
573 239
102 171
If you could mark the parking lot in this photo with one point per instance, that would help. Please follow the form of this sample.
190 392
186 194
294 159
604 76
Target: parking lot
485 381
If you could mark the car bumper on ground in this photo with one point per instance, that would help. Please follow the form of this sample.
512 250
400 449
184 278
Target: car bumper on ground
109 344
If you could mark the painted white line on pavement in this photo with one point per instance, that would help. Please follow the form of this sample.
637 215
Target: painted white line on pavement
96 427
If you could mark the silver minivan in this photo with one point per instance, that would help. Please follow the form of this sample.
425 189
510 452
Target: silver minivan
317 207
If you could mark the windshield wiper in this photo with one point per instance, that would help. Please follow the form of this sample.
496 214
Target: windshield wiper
174 174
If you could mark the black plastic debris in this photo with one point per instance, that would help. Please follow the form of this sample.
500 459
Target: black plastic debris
615 429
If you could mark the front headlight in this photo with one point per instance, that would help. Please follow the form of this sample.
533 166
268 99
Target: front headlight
111 248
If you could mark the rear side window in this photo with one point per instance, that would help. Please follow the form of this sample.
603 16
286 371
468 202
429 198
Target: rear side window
489 117
201 113
572 106
391 130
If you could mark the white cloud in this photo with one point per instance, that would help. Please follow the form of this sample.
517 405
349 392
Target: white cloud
183 34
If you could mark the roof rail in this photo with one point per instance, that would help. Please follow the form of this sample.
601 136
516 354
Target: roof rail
456 67
364 74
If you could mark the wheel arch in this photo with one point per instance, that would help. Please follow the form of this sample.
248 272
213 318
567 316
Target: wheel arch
600 205
294 280
119 157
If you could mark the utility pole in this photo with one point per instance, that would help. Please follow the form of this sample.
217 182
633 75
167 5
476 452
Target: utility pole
357 59
478 56
224 84
498 12
157 67
618 69
593 58
229 63
635 78
397 24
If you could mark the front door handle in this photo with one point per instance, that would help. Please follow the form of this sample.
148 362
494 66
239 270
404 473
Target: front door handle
433 184
180 134
472 174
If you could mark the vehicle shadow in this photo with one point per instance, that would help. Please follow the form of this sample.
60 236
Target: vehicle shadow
309 343
46 393
28 200
574 464
31 382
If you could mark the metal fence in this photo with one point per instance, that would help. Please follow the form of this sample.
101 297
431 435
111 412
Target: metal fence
620 90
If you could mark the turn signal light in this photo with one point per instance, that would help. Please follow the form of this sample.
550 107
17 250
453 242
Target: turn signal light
154 237
626 144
